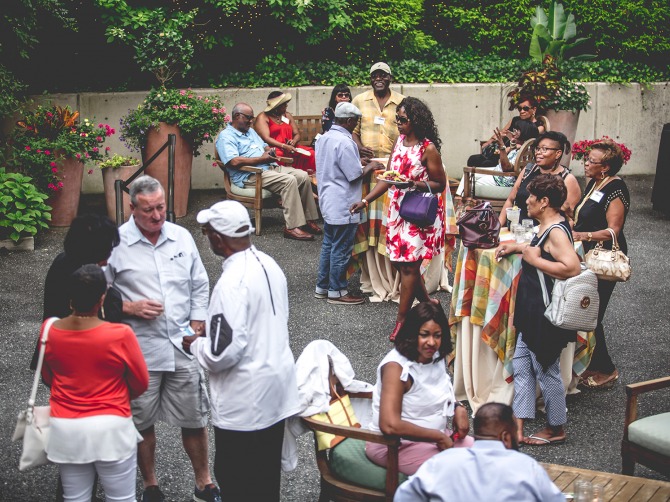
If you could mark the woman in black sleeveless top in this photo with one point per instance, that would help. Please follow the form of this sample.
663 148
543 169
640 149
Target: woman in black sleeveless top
539 343
605 205
549 149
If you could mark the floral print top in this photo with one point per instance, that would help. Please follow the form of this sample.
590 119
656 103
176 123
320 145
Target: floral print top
405 241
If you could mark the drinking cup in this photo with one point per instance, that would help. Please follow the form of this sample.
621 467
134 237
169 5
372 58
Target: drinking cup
513 215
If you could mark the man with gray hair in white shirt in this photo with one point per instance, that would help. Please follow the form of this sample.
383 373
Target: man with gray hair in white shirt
165 289
490 470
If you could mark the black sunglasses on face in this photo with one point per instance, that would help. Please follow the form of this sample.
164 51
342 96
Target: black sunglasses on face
401 120
248 117
343 95
523 108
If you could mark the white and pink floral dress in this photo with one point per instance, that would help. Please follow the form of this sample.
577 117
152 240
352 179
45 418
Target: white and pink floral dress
406 242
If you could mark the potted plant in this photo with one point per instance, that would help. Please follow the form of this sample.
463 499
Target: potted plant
194 120
553 41
117 167
23 211
51 145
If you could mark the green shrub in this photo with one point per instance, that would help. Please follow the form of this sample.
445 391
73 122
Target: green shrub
22 208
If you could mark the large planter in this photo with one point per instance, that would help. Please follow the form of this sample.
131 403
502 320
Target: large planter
566 122
65 202
109 176
183 164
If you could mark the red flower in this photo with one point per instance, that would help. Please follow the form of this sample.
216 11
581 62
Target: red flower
27 148
53 164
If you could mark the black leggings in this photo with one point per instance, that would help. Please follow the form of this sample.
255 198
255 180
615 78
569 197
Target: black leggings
601 360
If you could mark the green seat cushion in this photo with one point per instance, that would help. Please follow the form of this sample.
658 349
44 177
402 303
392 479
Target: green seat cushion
249 192
348 462
492 192
652 433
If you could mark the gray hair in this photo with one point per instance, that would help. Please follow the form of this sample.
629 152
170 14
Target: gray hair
239 107
144 184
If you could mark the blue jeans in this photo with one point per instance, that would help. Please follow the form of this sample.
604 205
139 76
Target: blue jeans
336 248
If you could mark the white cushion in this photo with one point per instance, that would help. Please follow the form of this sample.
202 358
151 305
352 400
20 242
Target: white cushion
249 192
652 433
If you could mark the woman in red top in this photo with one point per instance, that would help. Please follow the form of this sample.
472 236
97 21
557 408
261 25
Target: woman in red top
94 369
278 129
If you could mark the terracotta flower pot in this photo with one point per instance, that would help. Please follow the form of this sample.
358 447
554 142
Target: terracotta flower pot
109 176
566 122
65 202
183 164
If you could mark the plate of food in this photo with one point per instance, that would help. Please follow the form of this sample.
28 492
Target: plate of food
394 178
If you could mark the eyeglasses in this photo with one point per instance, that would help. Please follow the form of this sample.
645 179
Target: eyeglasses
248 117
544 149
523 108
591 161
343 95
401 120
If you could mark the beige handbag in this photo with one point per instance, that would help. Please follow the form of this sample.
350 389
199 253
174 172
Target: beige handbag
609 265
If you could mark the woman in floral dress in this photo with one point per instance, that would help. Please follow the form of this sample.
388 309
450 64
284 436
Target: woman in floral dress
415 155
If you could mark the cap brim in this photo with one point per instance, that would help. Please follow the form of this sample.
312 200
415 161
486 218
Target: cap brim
204 216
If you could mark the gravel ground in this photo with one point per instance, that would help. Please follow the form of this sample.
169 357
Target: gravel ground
636 326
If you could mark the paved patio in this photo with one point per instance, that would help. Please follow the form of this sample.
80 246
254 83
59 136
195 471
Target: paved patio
637 324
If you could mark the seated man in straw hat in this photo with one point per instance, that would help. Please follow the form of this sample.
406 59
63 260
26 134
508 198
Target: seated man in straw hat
239 145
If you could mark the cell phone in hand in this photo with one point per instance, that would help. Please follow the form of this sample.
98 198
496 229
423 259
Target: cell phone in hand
272 153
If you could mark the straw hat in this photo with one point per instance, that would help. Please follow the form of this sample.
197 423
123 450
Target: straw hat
277 101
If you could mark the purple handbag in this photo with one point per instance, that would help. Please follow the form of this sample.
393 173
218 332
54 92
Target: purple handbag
419 208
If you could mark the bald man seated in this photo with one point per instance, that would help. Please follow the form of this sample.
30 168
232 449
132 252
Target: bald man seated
492 469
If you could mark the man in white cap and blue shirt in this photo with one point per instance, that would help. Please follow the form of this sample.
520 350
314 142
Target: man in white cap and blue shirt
246 351
340 177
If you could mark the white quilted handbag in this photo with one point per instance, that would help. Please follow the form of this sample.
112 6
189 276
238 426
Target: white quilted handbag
574 302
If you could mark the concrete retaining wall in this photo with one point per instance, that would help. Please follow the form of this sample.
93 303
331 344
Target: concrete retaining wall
465 113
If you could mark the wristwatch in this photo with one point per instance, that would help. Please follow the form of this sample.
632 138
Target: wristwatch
589 236
364 201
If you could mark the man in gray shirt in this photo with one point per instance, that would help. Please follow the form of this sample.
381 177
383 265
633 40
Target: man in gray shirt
340 176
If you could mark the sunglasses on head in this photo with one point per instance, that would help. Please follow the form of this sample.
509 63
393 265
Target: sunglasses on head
343 95
523 108
401 120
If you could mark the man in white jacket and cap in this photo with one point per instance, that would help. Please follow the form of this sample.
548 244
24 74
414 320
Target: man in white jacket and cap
251 368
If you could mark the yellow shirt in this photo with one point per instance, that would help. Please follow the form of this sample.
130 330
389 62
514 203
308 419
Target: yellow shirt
380 137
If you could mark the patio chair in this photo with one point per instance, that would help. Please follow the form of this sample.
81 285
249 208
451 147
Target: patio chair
346 473
646 440
496 195
309 126
255 198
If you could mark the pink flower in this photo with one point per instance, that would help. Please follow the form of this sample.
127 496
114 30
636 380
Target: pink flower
227 118
99 139
90 171
100 126
27 148
78 156
47 152
215 164
54 170
182 92
95 149
215 110
60 184
107 149
53 164
39 151
176 107
49 114
206 135
86 155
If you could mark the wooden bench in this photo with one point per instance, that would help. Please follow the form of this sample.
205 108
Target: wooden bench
309 126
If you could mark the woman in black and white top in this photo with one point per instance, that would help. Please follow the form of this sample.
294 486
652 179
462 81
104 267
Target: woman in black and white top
604 206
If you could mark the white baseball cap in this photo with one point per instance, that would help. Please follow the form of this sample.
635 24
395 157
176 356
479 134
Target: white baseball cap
227 217
380 66
347 110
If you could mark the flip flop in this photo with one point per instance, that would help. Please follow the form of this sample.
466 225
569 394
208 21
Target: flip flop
543 441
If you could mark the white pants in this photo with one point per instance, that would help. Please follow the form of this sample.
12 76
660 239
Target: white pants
118 479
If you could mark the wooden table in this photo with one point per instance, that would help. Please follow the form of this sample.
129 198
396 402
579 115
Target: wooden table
618 488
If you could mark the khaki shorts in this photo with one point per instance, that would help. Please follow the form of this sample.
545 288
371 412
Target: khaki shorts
177 397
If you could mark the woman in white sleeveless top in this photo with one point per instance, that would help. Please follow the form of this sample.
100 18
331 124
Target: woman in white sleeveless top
413 396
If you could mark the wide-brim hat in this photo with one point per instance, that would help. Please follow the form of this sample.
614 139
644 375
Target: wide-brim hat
277 101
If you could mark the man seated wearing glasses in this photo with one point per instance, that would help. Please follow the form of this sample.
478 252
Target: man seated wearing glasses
377 132
239 145
527 108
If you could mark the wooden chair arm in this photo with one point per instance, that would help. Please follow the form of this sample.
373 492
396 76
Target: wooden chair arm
351 432
487 172
635 389
249 169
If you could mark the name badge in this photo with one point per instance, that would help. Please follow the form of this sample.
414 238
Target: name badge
284 119
379 120
597 196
